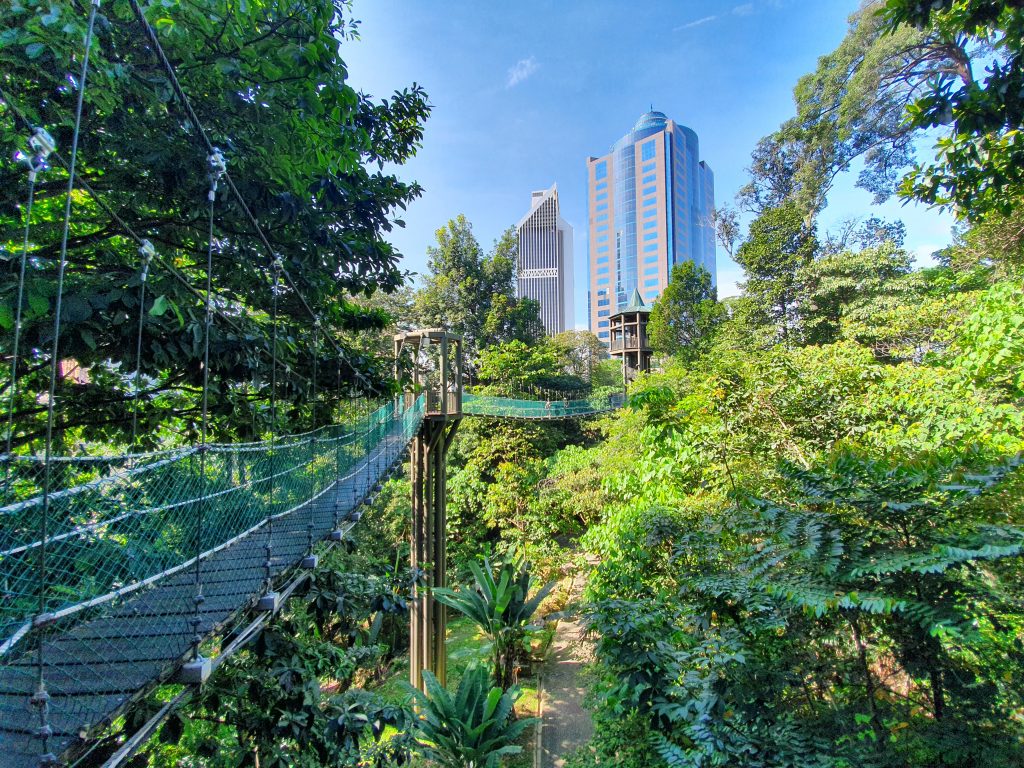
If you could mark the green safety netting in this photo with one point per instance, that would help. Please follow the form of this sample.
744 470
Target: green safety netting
505 407
98 587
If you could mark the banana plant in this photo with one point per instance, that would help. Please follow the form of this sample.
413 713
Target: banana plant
474 728
499 603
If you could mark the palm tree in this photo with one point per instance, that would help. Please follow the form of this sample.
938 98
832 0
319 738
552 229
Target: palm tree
499 603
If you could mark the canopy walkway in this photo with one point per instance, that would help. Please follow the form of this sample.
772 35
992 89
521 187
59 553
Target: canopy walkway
146 559
508 408
158 554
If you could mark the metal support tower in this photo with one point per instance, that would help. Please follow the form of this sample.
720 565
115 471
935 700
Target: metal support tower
434 360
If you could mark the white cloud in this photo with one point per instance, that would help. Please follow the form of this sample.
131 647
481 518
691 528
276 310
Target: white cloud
523 69
695 23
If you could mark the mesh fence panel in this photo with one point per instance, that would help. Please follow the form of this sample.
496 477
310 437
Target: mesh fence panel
105 586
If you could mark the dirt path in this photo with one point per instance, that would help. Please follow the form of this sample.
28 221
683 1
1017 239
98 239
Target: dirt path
565 724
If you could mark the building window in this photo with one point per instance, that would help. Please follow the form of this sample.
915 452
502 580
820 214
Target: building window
602 270
650 271
602 228
602 217
603 302
650 224
649 214
651 247
651 236
649 201
603 312
647 150
602 335
602 293
647 168
602 259
602 248
649 179
602 238
603 281
601 185
601 195
651 259
649 190
649 283
601 170
602 207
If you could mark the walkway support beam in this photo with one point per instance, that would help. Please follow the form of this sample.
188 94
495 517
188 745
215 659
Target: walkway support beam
432 361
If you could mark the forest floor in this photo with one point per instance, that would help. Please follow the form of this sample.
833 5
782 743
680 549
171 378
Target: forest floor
566 725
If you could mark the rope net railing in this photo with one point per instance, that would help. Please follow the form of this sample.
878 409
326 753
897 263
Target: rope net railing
130 537
510 408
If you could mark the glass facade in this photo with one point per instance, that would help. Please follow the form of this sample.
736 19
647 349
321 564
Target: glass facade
656 176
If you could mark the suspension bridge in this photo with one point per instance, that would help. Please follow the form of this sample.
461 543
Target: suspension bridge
120 573
155 563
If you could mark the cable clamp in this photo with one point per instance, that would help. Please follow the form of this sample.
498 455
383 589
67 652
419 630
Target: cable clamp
147 250
218 167
39 698
42 144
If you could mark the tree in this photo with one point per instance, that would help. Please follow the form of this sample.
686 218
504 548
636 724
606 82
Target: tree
687 313
778 244
980 161
850 108
515 368
306 151
580 352
837 283
473 294
726 223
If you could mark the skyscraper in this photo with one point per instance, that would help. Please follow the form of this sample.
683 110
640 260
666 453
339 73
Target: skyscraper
545 261
650 203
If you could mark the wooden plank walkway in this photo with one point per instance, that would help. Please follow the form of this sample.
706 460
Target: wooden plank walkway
99 666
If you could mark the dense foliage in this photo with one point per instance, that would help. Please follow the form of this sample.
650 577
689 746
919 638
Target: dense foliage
306 151
472 728
811 536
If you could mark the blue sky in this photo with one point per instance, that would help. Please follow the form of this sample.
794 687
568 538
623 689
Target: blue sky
523 92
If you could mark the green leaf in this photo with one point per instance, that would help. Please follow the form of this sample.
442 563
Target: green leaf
159 307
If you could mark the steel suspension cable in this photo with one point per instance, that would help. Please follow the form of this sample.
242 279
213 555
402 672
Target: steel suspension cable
127 228
217 168
269 547
310 560
179 92
41 697
147 252
42 145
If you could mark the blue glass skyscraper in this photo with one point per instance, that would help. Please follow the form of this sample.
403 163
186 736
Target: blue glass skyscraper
650 201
